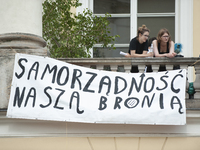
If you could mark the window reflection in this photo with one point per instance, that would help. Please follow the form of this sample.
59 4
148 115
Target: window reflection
156 6
111 6
105 52
120 26
157 23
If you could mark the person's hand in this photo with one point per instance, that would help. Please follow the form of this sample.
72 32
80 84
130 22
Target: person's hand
127 55
174 54
150 54
171 55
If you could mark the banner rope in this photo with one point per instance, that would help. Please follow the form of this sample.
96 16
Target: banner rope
195 62
13 50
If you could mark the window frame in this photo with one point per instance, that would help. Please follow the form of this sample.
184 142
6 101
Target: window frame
183 22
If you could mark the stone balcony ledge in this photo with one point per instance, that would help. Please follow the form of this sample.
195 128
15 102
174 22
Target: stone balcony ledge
124 60
123 64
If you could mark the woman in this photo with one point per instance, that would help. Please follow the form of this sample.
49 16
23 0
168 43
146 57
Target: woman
139 46
163 46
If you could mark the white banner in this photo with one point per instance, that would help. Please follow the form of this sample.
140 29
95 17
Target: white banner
48 89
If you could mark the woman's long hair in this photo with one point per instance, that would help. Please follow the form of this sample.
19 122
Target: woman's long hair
160 34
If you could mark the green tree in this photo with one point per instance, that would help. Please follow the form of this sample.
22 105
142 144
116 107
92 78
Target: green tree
71 35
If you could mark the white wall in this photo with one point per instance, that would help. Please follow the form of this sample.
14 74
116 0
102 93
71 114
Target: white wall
24 16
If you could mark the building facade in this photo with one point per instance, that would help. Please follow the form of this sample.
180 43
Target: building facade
24 17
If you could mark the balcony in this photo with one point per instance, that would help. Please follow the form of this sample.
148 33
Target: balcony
123 64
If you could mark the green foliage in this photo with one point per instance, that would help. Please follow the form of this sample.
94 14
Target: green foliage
70 35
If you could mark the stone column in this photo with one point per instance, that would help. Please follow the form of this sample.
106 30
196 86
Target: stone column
21 16
20 32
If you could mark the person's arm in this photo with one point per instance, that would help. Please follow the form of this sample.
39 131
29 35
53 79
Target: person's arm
171 50
155 50
133 53
144 54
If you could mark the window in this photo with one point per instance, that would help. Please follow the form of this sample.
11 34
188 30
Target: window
157 14
111 6
128 15
122 23
119 24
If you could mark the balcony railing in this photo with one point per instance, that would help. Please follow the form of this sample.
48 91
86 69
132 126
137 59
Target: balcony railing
124 65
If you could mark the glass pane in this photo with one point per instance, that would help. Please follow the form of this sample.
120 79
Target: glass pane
121 27
157 23
111 6
105 52
156 6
